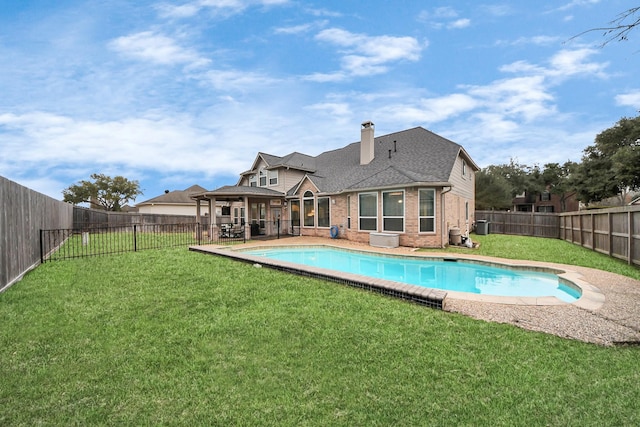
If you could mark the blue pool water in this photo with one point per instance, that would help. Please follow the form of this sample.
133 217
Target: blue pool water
450 276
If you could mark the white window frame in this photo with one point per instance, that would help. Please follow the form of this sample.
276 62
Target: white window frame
464 168
292 203
349 212
360 217
435 210
306 197
262 176
393 216
272 177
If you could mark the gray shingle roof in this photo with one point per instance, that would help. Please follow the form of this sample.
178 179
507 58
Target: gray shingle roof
418 155
176 196
412 156
234 190
293 160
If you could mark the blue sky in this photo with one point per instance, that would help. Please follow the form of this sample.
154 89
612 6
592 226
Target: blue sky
176 93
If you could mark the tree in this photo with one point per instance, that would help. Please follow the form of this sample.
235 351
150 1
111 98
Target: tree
620 27
557 180
110 193
622 143
493 192
610 167
496 186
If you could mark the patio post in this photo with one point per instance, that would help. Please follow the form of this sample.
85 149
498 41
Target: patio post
198 222
213 219
247 226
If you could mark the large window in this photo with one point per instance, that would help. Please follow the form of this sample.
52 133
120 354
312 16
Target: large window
273 177
393 211
309 212
263 178
259 214
427 210
368 211
323 212
295 213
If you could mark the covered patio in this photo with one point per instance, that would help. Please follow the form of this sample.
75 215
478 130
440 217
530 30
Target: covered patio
265 211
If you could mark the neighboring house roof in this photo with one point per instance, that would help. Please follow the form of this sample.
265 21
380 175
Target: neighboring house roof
175 197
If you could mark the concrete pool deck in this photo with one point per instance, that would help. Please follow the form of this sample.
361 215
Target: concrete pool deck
608 312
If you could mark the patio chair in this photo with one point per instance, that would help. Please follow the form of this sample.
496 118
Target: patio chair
236 231
225 230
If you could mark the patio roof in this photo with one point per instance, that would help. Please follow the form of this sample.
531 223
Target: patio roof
231 192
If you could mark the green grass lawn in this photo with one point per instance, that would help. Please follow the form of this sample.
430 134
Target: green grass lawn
171 337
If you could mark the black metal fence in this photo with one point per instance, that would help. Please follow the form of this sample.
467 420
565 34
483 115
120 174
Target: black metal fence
99 240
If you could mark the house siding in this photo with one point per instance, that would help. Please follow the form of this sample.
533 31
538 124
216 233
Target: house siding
462 193
165 209
291 178
287 178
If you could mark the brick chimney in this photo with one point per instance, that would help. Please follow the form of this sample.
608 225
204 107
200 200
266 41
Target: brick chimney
366 142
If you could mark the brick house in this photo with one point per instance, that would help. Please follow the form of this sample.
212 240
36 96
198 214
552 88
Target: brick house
412 184
546 202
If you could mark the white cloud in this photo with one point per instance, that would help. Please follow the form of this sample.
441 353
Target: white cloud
535 40
459 23
577 3
235 80
323 12
223 8
631 99
497 9
429 110
571 62
299 29
443 17
161 142
368 55
338 109
156 48
523 98
562 65
445 12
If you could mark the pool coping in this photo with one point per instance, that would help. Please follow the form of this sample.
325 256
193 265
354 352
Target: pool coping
591 298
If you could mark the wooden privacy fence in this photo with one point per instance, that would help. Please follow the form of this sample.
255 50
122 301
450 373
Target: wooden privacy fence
521 223
23 213
615 231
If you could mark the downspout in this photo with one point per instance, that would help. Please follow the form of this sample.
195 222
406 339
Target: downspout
442 220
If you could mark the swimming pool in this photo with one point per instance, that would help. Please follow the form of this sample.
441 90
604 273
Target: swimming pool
446 274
